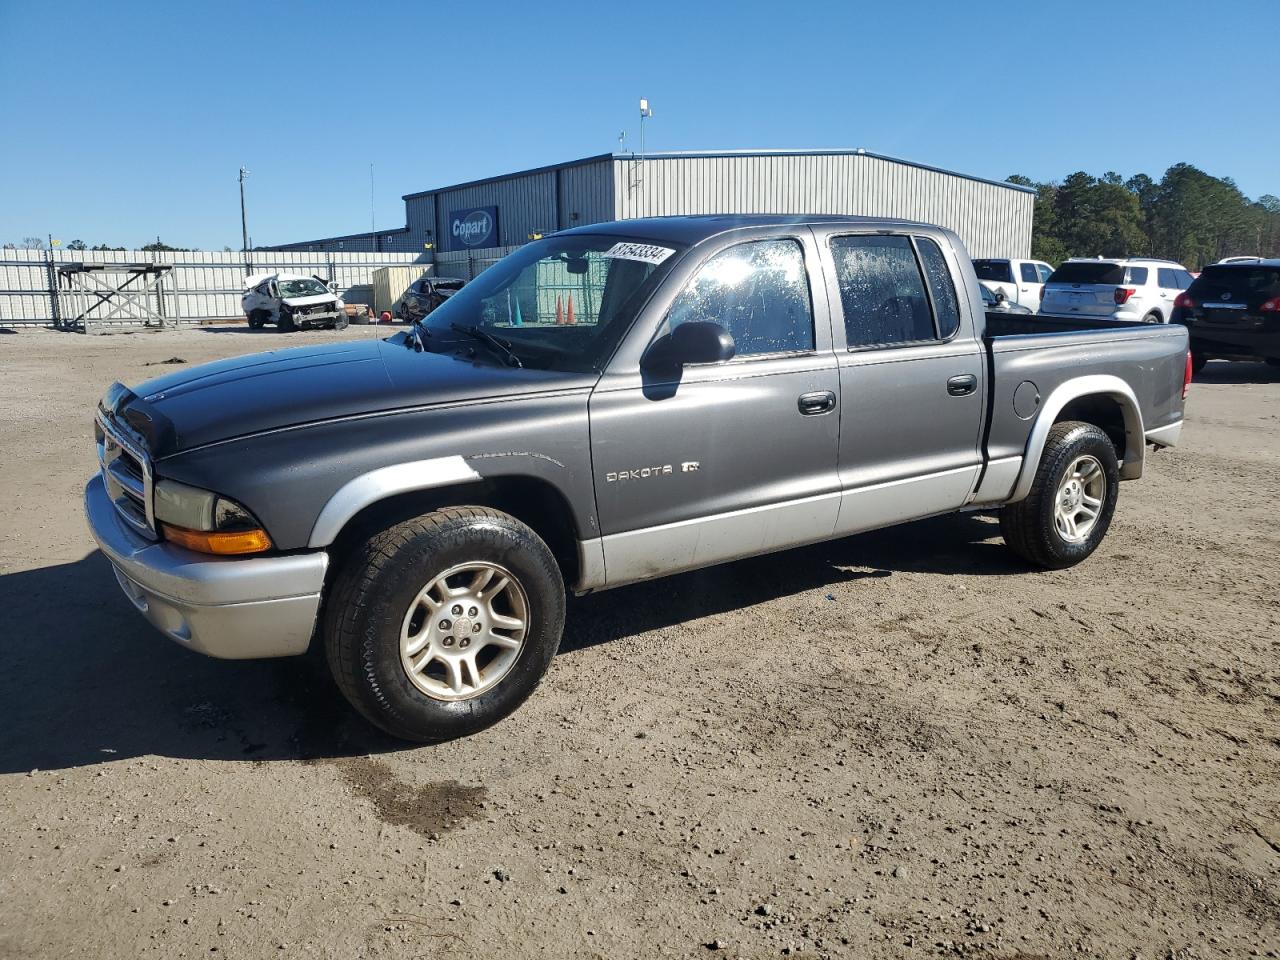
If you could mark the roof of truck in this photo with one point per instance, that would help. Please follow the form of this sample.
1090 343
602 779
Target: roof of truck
694 229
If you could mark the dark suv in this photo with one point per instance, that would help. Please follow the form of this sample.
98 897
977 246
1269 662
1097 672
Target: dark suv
1232 312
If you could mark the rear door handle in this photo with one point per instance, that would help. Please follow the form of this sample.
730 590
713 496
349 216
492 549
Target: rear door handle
819 402
962 385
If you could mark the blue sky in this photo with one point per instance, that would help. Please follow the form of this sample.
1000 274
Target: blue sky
123 121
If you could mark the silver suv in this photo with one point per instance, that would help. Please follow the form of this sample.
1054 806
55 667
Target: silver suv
1115 289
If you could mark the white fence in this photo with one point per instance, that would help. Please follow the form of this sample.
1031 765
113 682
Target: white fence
36 288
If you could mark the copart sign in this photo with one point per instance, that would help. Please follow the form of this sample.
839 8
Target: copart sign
472 228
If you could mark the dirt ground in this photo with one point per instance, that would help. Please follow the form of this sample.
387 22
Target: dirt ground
901 744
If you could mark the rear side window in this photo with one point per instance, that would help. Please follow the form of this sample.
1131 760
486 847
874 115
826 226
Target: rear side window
1137 275
1088 271
758 292
1029 274
994 270
941 287
1045 272
881 291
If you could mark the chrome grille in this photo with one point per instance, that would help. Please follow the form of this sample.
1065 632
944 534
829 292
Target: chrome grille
126 471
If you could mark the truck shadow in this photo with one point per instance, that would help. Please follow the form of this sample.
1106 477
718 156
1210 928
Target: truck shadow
965 544
88 681
1223 371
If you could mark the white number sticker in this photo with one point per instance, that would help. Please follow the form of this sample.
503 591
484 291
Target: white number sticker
644 252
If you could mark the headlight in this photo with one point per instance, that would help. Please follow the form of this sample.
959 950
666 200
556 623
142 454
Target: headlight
204 521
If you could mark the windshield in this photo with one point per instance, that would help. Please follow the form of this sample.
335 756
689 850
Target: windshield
563 303
1088 271
995 270
301 288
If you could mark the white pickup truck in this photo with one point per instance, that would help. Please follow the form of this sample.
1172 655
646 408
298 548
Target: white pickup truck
1022 281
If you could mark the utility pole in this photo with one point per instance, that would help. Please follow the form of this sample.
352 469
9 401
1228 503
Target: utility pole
244 224
373 227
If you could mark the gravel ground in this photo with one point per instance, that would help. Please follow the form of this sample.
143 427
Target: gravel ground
901 744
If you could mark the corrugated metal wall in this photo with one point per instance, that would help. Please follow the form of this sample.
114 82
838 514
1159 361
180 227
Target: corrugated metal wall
526 204
992 220
207 284
587 191
465 264
382 242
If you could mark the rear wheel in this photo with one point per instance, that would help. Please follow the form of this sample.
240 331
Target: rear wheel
443 625
1153 317
1198 361
1069 509
1273 361
256 320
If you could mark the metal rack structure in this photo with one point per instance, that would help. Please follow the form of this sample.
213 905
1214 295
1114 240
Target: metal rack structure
94 297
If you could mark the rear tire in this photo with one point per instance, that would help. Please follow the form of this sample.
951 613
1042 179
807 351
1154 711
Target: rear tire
1273 361
255 320
1078 474
1153 317
405 599
1198 361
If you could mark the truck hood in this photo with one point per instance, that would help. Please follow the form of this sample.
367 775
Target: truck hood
285 388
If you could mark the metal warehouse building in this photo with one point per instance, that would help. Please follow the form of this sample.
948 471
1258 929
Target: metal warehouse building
466 226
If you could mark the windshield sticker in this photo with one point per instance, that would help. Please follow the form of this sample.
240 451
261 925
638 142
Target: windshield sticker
644 252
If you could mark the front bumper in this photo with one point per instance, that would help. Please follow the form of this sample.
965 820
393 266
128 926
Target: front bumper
235 608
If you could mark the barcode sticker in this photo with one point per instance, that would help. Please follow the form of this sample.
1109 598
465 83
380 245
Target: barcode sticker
644 252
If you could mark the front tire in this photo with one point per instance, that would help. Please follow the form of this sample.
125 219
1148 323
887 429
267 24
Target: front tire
284 322
444 624
340 322
1072 499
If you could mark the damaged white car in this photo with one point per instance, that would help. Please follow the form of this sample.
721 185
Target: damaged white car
291 301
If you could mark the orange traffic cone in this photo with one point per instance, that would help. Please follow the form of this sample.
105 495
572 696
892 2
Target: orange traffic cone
569 318
559 311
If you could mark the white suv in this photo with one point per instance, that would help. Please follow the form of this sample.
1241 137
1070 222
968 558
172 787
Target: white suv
1115 289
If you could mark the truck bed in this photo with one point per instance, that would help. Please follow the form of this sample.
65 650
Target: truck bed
1045 352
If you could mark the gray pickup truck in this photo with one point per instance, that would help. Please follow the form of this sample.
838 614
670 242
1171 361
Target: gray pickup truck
606 405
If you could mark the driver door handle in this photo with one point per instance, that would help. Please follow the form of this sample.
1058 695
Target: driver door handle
816 403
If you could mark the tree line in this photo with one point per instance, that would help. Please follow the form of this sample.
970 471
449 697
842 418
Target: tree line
1187 216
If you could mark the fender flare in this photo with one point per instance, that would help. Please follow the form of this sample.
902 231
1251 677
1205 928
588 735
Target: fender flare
1093 385
368 488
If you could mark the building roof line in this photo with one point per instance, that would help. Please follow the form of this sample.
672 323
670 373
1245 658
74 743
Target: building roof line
711 154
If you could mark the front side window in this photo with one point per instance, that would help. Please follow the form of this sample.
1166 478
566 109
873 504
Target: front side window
757 291
881 291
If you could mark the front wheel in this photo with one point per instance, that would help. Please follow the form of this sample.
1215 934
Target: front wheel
444 624
340 322
284 322
1072 499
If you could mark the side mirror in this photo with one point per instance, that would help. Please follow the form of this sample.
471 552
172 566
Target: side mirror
1001 296
697 342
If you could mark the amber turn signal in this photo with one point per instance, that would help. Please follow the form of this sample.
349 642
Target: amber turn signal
221 542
